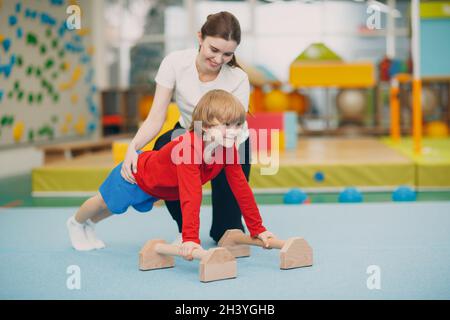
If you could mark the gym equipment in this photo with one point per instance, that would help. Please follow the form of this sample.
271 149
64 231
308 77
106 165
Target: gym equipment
436 129
295 196
265 125
351 104
294 252
350 195
298 102
276 101
215 264
404 193
430 101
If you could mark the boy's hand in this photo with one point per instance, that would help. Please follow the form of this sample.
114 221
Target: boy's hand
265 236
186 249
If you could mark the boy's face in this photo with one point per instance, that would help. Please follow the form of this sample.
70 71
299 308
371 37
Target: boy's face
224 134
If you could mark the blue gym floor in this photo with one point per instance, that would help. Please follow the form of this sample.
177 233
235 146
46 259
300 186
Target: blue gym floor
409 242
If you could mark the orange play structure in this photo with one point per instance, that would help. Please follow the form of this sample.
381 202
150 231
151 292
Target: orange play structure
417 109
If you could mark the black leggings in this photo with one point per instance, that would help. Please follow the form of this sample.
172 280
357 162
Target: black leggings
226 212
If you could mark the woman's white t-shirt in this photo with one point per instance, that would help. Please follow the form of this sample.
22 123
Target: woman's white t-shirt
178 71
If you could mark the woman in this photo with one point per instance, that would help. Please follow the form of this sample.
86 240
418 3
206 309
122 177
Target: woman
189 74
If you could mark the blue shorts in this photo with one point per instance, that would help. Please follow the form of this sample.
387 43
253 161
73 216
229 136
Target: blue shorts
119 194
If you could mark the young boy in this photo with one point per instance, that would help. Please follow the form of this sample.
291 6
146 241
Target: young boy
178 171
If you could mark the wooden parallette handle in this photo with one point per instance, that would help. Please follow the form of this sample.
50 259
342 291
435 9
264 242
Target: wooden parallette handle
172 250
246 239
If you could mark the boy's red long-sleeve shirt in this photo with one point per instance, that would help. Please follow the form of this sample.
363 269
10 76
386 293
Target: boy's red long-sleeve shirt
177 172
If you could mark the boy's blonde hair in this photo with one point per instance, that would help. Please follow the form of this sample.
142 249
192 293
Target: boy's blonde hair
218 105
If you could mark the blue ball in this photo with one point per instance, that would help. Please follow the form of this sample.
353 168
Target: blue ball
404 193
350 195
294 196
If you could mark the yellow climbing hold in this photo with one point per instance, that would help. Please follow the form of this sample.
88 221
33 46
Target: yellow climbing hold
18 130
74 99
69 118
83 32
65 128
80 126
73 81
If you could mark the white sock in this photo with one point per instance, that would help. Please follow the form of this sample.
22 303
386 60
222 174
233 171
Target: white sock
92 238
77 235
178 240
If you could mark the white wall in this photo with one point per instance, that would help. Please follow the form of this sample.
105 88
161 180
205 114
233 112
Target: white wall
19 161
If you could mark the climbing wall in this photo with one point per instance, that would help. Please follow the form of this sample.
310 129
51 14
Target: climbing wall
47 90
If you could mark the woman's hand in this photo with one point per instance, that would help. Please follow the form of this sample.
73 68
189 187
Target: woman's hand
186 249
265 236
129 165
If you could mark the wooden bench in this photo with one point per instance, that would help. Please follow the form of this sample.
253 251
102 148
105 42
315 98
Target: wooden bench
70 150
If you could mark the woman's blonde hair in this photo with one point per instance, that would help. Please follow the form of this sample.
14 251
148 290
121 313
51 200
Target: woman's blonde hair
218 105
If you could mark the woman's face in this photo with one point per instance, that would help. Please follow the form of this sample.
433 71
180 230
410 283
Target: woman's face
215 52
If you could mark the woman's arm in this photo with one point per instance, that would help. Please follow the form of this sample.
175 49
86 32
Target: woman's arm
155 119
147 132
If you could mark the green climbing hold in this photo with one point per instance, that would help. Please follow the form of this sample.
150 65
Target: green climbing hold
19 61
49 63
16 85
39 98
46 130
20 95
54 43
32 39
29 70
30 135
30 98
38 72
7 121
41 131
43 49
